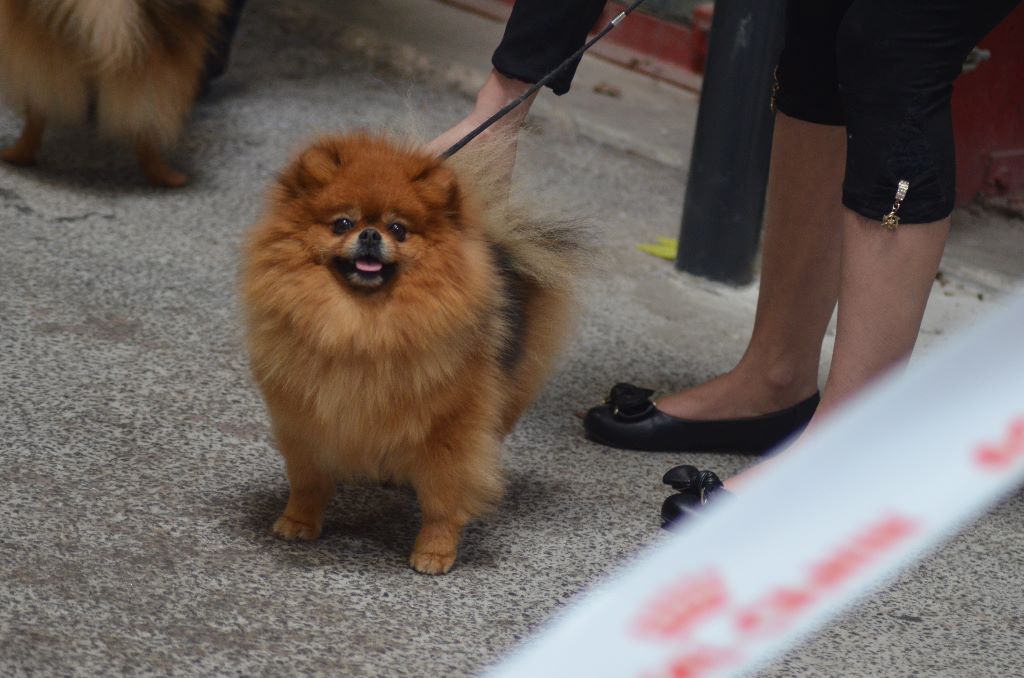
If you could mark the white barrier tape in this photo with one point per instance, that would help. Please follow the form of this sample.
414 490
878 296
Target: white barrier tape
865 494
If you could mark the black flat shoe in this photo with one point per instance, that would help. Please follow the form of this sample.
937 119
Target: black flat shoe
630 420
696 489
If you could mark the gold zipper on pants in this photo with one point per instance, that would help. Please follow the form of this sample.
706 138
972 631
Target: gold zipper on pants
891 220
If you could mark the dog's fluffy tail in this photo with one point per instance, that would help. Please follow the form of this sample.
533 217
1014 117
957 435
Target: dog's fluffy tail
110 32
551 251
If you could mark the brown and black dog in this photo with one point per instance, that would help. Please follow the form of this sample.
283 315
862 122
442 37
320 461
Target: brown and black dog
400 320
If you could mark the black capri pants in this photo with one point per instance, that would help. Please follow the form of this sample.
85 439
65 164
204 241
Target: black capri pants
883 68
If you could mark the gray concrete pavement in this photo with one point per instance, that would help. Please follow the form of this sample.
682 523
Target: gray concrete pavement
138 479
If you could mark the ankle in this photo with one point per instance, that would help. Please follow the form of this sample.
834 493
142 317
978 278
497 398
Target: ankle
781 380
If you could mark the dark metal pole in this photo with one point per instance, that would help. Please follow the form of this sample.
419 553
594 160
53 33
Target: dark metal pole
732 143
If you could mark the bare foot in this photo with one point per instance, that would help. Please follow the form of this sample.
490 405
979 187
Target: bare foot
733 395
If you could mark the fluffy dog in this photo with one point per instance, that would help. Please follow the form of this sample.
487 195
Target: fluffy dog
399 322
139 62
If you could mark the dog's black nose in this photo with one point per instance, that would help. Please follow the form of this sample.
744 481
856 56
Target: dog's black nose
369 236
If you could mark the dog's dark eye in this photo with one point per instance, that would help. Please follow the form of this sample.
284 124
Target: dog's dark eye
341 225
397 230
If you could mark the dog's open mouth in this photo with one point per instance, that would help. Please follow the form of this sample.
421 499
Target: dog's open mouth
365 271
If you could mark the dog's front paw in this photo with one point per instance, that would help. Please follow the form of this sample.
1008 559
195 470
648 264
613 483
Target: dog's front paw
165 177
432 563
286 528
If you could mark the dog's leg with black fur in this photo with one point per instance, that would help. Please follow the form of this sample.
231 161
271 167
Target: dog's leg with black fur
547 309
457 479
157 171
311 490
24 150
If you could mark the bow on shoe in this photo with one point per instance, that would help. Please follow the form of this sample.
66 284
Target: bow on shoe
695 490
630 402
701 486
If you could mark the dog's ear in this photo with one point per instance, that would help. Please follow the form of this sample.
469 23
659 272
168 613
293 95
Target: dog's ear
438 186
315 167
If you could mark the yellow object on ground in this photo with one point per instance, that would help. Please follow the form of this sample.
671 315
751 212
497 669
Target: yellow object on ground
665 248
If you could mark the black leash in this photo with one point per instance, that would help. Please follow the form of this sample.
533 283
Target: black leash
540 83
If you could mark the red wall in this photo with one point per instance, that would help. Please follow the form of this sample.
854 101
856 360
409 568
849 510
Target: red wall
988 116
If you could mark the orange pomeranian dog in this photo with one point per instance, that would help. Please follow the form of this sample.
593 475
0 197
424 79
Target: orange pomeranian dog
138 61
399 322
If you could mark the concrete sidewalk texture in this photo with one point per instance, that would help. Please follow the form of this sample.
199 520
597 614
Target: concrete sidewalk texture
139 481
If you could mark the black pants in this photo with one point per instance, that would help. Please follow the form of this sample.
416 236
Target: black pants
882 68
885 70
541 34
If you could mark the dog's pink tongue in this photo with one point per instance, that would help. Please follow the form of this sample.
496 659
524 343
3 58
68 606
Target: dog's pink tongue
368 265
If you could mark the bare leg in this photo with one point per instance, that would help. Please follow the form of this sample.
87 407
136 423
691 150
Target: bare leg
24 150
799 281
885 282
311 492
157 171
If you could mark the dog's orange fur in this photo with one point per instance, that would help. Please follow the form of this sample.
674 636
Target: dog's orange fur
140 61
406 383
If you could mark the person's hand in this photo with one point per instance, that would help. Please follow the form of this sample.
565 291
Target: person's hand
496 92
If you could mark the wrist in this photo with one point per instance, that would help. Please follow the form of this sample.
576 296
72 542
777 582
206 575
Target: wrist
497 92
